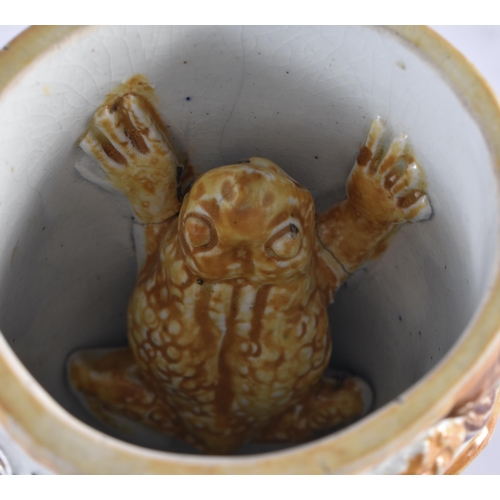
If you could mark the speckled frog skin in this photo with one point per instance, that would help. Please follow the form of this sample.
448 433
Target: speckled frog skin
227 326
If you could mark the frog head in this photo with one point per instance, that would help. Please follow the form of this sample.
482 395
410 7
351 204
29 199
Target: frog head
249 220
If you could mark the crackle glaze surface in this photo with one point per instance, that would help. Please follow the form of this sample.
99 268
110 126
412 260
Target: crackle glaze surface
228 326
427 310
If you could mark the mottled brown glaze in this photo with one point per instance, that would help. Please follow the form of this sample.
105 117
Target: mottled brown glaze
228 326
132 144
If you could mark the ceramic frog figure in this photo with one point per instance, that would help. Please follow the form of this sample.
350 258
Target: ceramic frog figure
227 325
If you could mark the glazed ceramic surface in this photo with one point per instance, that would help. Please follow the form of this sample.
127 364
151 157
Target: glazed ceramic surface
228 325
420 324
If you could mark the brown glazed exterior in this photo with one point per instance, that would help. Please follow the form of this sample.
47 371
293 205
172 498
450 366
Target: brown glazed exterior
462 382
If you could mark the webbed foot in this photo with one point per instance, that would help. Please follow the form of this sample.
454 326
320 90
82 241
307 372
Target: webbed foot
388 186
132 145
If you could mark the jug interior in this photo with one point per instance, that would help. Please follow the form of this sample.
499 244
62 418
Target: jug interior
300 96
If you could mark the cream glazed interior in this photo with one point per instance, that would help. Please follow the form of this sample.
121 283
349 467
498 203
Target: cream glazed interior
75 273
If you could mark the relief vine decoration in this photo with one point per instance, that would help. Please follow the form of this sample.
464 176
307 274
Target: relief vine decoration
438 449
227 325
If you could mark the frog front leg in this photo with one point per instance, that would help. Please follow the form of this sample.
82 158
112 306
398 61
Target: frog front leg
134 149
385 189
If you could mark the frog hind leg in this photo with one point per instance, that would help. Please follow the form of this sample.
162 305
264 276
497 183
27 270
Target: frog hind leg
333 402
110 384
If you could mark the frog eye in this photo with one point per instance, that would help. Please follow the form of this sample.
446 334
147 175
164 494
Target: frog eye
286 243
199 231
